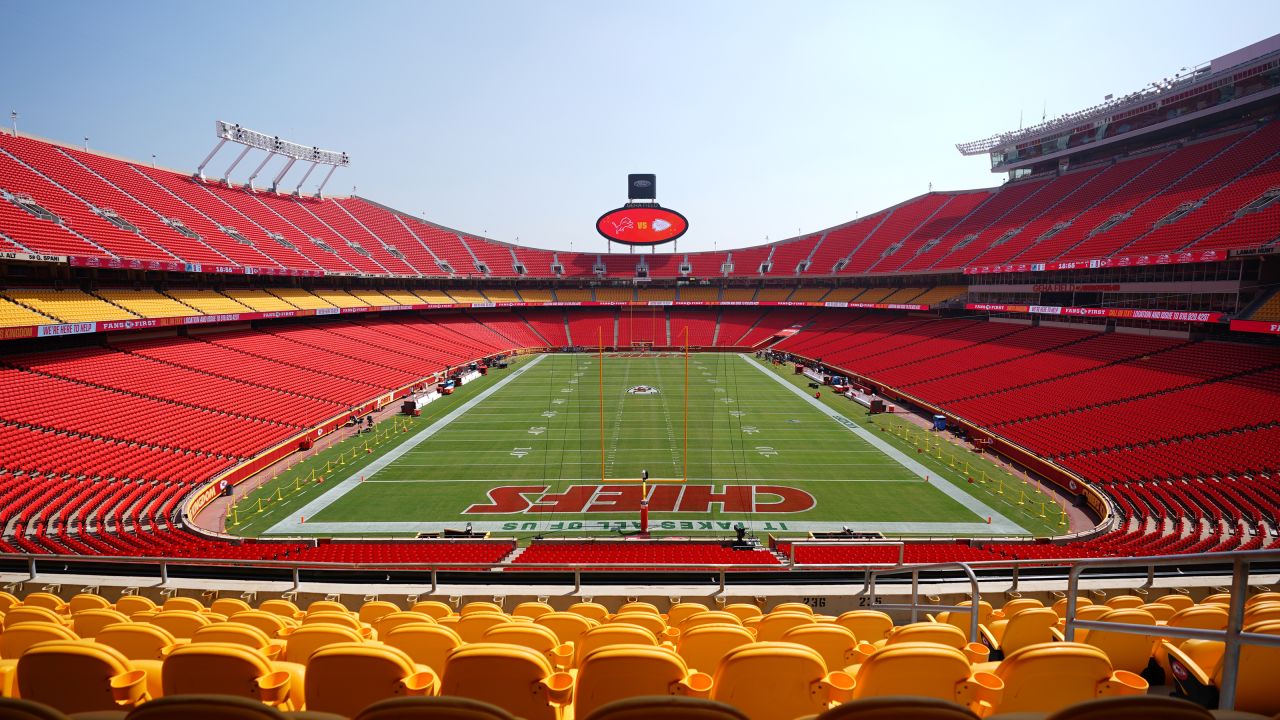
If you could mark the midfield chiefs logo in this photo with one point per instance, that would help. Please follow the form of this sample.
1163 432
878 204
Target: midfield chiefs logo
701 499
643 390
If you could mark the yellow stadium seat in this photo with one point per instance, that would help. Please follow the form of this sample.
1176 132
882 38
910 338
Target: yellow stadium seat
866 625
611 634
681 610
639 606
791 607
224 669
284 608
88 623
1205 617
931 670
898 707
14 315
703 647
534 637
1217 599
46 600
594 611
1088 612
206 302
1176 601
472 627
479 606
347 677
650 621
270 623
617 672
77 676
434 608
393 620
778 681
1261 611
1124 602
775 624
708 617
8 600
1125 650
1049 676
130 604
144 302
835 643
1197 671
229 606
178 602
1014 606
427 644
567 626
257 300
531 609
516 679
33 614
319 606
345 619
338 298
1029 626
240 634
300 298
372 610
1159 611
1060 606
963 618
1262 597
182 623
144 644
301 643
67 305
17 640
86 601
743 610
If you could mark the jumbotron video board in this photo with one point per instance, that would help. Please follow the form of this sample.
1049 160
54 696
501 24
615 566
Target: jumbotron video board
642 221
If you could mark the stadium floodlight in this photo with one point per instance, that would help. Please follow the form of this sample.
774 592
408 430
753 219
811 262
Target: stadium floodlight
273 145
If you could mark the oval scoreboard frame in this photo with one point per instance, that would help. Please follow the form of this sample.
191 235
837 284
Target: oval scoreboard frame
635 225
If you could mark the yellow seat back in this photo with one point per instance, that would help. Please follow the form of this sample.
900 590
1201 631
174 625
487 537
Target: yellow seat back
178 602
516 679
86 601
46 600
774 625
223 669
531 609
347 677
480 606
137 641
567 626
612 634
182 623
1261 612
1028 627
88 623
790 607
1017 605
130 604
391 621
302 642
472 627
426 643
1126 651
649 621
743 610
329 617
1177 601
1060 606
938 633
374 610
32 613
710 617
535 637
778 681
234 632
1124 602
703 647
591 610
618 672
434 608
639 606
18 639
272 624
229 606
282 607
835 643
79 676
319 606
1050 676
866 625
1256 680
681 610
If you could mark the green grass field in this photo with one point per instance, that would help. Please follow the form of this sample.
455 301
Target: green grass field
530 458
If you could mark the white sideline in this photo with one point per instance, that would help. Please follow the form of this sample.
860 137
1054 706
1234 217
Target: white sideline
999 523
291 525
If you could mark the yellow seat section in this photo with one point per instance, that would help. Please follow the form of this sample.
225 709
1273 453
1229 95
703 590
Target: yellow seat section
1088 612
645 294
1268 311
467 295
258 300
1060 605
936 633
130 604
88 623
534 637
710 617
338 298
567 626
17 640
393 620
182 623
8 600
771 294
67 305
402 297
592 610
300 298
962 618
1261 611
208 302
1049 676
1205 617
282 607
775 624
516 679
778 681
501 295
618 672
681 610
240 634
1014 606
77 676
835 643
344 618
1159 611
303 642
614 294
1177 601
1124 602
1269 596
472 627
144 644
347 677
790 607
46 600
87 601
843 294
1025 627
531 609
374 610
224 669
875 295
612 634
703 647
1197 671
535 295
480 606
931 670
574 295
743 610
33 614
434 297
649 621
866 625
427 644
1125 650
434 608
809 294
372 297
178 602
14 315
270 623
904 295
940 294
146 302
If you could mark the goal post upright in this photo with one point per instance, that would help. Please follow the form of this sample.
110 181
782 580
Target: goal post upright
684 474
600 361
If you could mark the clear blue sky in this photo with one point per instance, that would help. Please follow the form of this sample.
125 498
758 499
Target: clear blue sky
521 119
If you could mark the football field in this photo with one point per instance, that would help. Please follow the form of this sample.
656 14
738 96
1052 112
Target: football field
558 443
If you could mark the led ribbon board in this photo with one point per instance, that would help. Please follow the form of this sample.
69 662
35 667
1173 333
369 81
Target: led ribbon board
642 225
